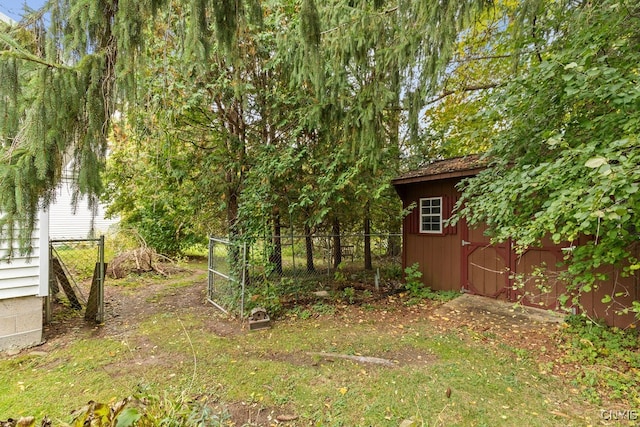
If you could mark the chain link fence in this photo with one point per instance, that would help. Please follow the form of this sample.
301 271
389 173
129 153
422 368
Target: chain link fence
76 277
288 267
309 257
226 275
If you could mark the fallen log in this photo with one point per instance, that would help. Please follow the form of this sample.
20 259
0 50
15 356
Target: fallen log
359 359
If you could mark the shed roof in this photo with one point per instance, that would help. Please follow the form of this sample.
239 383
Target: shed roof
442 169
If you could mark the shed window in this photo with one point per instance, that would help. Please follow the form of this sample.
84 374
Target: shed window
431 215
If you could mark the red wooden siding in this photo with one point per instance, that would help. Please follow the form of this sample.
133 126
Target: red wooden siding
532 288
464 259
626 286
443 249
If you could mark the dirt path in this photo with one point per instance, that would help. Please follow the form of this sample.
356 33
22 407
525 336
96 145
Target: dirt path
125 307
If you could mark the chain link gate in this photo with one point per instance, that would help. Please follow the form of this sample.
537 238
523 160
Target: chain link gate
227 268
77 270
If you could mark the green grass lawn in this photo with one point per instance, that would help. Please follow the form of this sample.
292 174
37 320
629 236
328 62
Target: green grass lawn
440 377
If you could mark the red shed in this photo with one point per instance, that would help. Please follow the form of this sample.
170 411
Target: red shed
463 258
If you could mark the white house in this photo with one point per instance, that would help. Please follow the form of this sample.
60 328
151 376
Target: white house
5 18
81 223
24 281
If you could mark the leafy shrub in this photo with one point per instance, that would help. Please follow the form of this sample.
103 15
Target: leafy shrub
339 275
267 296
148 411
412 281
392 272
418 290
349 295
610 357
324 308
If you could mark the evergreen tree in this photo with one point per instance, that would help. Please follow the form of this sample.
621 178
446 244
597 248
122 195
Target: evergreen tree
63 88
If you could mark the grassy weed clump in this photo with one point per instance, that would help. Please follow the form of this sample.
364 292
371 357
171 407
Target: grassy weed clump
610 358
419 291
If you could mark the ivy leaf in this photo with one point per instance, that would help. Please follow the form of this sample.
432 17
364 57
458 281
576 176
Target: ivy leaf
596 162
128 417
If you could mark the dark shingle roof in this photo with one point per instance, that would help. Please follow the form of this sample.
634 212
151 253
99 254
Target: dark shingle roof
448 168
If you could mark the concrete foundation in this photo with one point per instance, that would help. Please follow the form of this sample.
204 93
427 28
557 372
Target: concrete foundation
20 322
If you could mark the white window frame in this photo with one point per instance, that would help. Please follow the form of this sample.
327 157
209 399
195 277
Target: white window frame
431 215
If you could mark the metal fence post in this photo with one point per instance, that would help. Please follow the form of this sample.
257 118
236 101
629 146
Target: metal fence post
101 270
47 306
245 265
210 270
293 251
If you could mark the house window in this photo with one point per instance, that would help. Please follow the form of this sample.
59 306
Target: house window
431 215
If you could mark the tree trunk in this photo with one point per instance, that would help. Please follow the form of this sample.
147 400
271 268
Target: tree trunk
337 252
394 245
367 236
394 242
275 257
238 264
308 242
232 224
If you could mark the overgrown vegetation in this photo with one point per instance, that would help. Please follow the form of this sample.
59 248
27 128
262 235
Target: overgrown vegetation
419 291
141 411
609 357
243 120
563 163
302 296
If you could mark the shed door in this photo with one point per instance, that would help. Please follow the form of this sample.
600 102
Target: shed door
537 290
485 267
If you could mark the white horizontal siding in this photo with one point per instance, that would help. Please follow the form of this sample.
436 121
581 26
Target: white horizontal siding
23 281
64 223
24 276
4 18
19 292
19 257
18 269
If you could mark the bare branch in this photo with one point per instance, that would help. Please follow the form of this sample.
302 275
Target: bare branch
446 93
483 58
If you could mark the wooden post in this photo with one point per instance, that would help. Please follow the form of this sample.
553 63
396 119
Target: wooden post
58 271
97 288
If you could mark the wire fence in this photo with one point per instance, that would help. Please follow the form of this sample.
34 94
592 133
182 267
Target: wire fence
76 277
271 270
226 277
